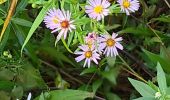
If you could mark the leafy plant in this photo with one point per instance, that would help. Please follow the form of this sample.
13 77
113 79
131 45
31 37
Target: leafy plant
47 45
149 91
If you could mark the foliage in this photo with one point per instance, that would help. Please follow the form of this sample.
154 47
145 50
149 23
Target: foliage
33 61
150 91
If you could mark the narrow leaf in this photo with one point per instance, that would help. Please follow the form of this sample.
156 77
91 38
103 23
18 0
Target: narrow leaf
36 23
22 22
68 94
142 88
96 85
6 85
89 70
161 78
145 98
156 58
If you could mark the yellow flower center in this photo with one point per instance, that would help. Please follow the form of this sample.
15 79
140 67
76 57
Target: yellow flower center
126 3
55 20
64 24
110 42
88 54
89 44
98 9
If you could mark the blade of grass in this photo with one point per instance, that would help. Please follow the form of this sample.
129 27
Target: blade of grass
36 23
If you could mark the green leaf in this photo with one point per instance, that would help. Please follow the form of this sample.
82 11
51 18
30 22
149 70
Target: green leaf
111 61
5 38
17 92
1 21
41 97
4 95
161 78
21 6
149 11
114 26
6 85
82 21
6 74
56 55
115 8
155 39
96 85
89 70
69 94
2 1
61 83
111 96
22 22
111 74
145 98
142 88
30 77
70 38
36 23
168 91
3 11
156 58
140 30
162 19
21 36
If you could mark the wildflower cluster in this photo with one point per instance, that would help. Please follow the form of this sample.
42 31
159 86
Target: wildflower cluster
95 45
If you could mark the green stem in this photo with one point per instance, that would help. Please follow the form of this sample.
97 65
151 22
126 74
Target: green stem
131 70
62 4
102 21
65 44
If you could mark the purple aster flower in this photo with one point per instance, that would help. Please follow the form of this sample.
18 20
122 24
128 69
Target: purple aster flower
97 9
51 19
59 20
64 25
110 44
129 6
91 38
89 54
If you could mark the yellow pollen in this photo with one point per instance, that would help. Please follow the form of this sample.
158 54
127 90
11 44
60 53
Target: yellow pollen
110 42
89 45
88 54
126 3
55 20
98 9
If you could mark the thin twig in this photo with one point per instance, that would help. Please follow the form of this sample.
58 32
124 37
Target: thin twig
131 70
141 65
140 78
60 70
167 3
54 88
99 98
90 80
